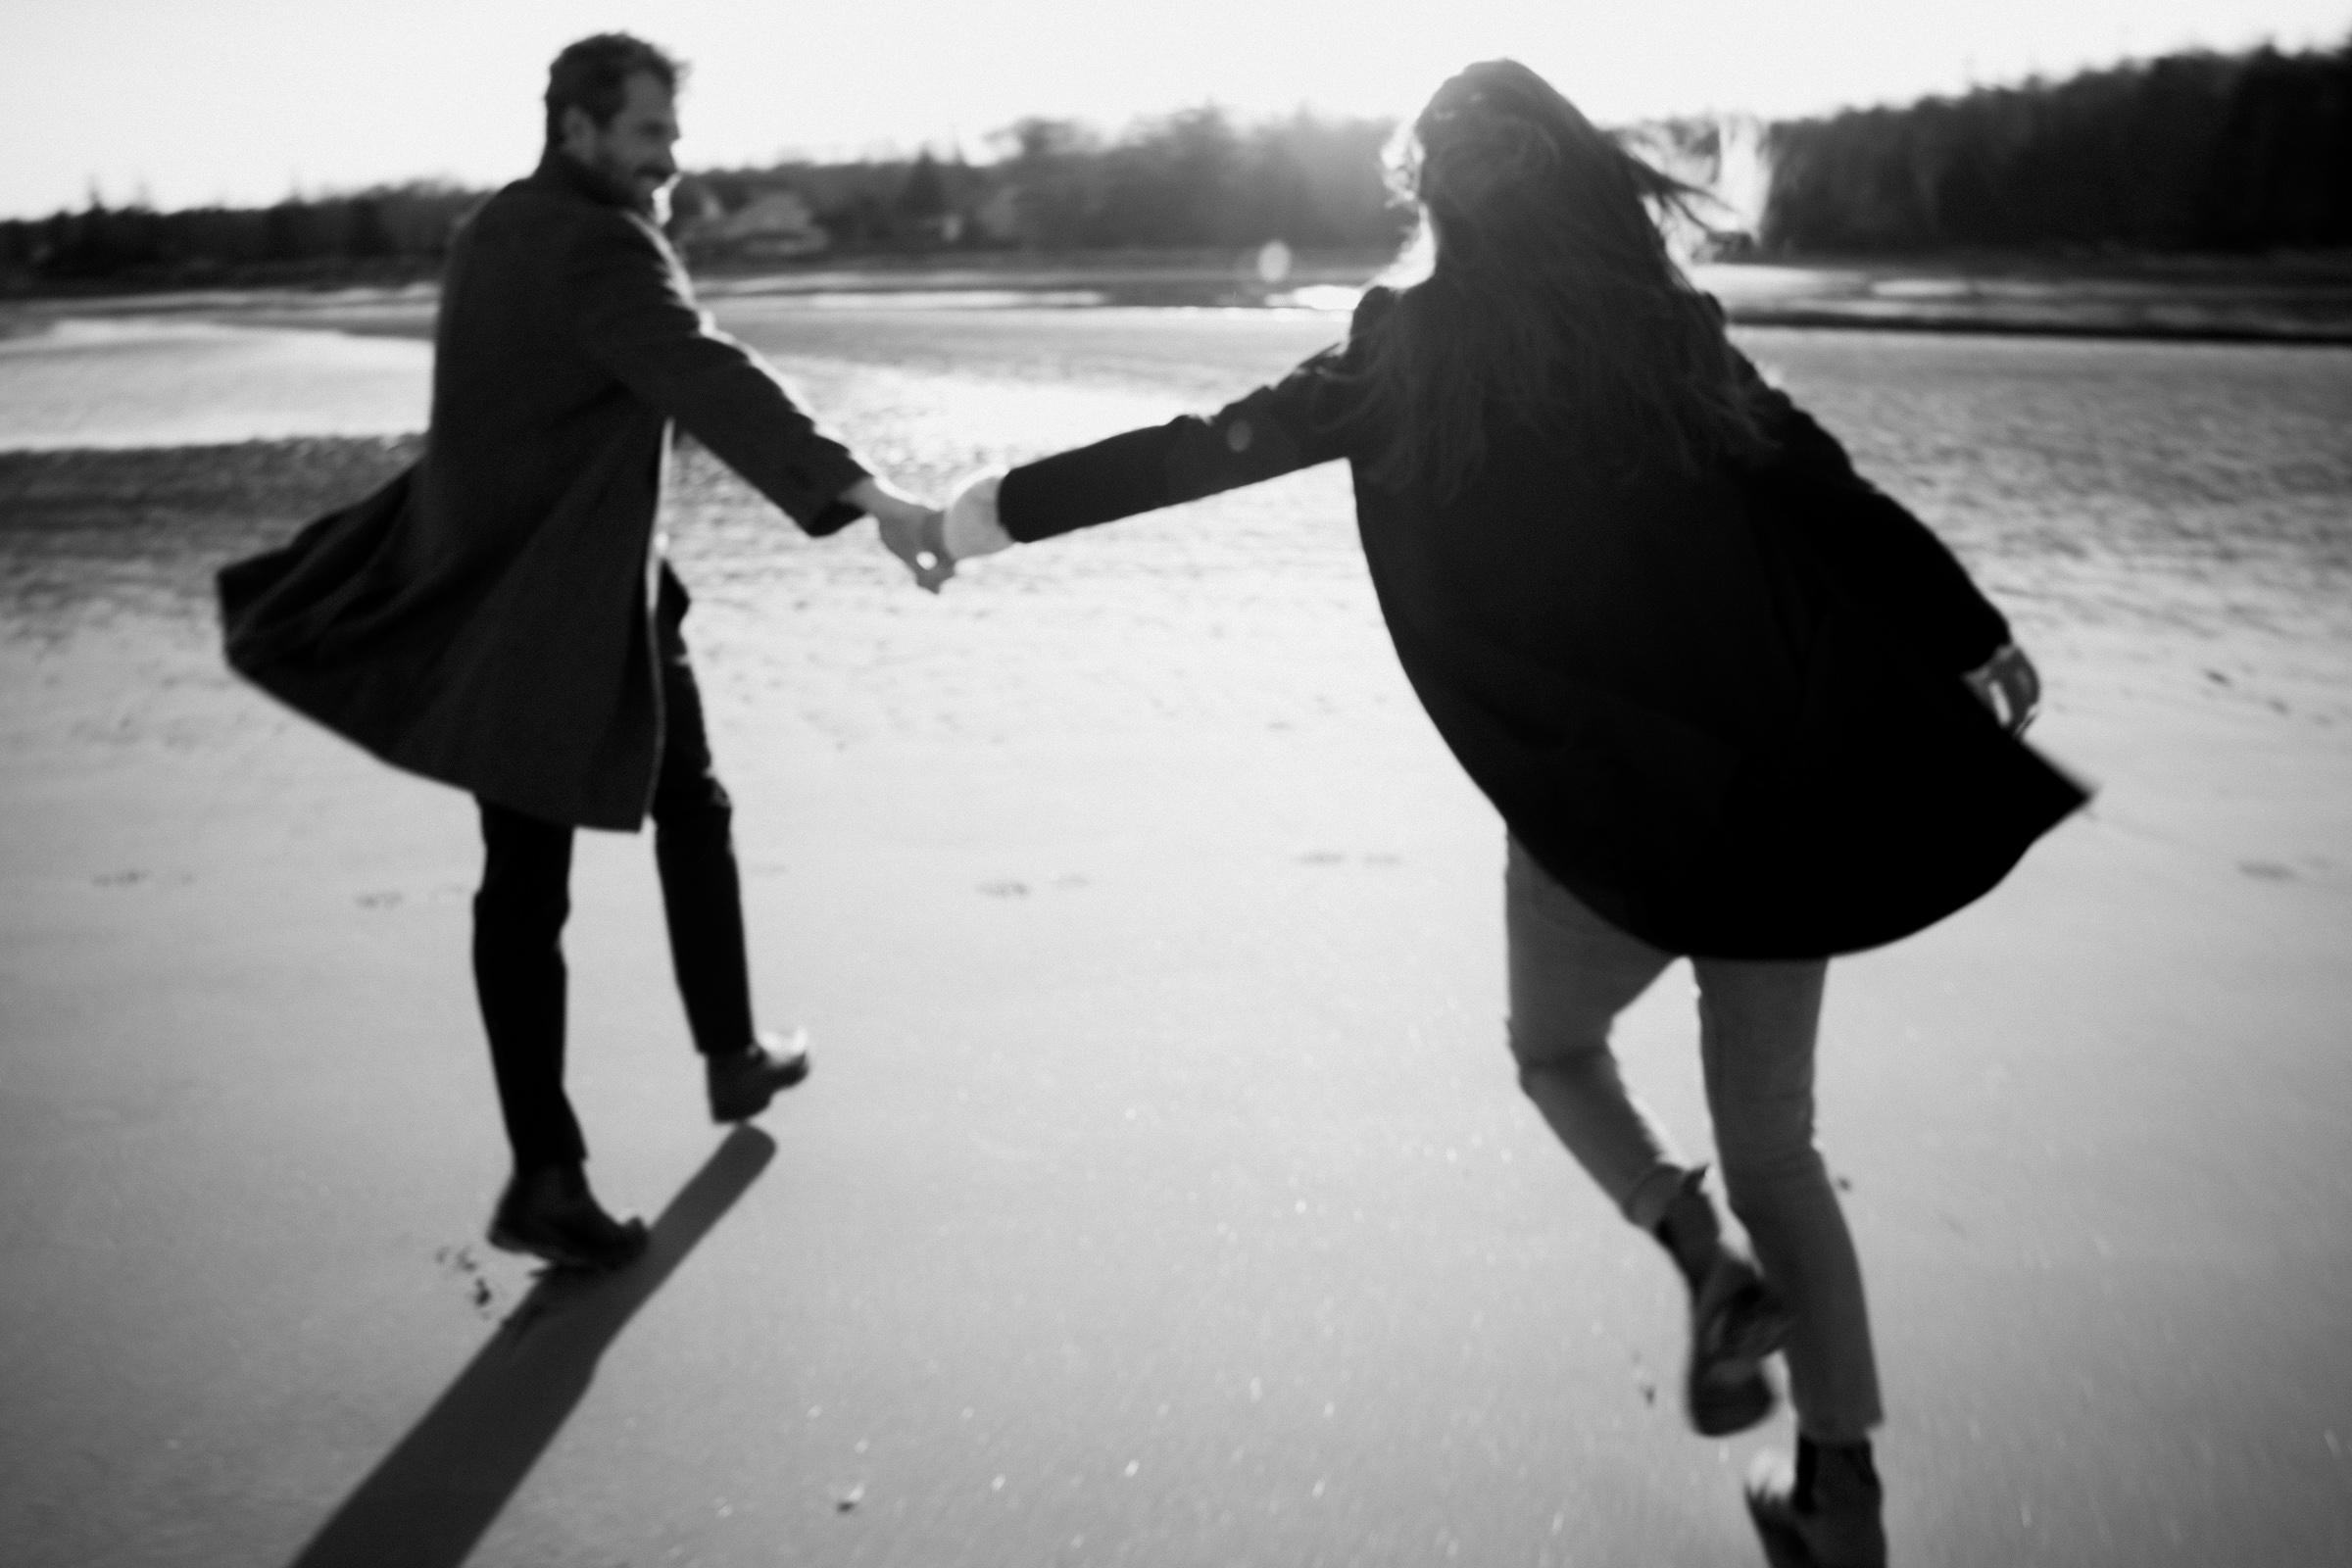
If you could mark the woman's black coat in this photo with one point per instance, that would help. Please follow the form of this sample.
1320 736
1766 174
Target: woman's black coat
1725 711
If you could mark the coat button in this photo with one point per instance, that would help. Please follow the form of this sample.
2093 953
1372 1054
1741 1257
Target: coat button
1237 435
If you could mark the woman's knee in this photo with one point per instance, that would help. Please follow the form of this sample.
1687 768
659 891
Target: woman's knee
1563 1010
1552 1042
1759 1176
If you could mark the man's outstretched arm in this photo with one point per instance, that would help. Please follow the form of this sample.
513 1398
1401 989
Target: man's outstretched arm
637 318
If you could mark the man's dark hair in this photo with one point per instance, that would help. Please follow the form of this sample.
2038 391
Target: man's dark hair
592 75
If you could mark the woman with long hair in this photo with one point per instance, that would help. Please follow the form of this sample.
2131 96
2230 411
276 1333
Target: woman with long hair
1718 687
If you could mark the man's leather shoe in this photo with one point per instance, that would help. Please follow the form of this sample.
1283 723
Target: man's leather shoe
742 1085
550 1215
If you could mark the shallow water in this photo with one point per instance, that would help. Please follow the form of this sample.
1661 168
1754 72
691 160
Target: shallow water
161 382
2205 483
2182 513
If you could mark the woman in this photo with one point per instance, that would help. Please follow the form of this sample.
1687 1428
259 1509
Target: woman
1717 686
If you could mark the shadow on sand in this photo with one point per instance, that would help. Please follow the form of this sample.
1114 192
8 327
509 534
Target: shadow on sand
428 1502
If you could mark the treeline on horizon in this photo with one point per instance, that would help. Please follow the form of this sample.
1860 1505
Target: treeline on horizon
1193 178
2202 152
2188 153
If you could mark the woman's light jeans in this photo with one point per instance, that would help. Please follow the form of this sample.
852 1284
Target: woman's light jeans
1571 974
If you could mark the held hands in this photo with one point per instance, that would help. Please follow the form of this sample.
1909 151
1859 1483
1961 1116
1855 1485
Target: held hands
2008 685
930 540
910 529
914 538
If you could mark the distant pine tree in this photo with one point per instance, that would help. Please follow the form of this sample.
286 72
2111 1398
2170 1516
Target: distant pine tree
924 196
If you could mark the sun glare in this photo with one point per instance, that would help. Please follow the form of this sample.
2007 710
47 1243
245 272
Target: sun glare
121 113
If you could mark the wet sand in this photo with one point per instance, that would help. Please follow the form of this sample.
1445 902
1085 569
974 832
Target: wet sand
1162 1195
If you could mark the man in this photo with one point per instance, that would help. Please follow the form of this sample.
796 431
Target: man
500 617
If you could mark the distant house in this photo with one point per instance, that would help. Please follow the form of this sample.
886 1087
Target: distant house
999 217
775 226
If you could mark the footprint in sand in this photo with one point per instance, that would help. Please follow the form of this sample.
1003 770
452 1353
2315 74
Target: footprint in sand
1012 888
480 1294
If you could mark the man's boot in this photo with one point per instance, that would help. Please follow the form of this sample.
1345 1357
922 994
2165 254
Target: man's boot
742 1084
550 1215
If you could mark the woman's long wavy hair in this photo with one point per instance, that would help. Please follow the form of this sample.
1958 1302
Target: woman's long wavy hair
1551 298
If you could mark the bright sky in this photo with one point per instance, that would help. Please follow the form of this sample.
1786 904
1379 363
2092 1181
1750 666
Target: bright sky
184 102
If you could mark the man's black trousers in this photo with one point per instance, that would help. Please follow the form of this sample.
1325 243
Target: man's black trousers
519 917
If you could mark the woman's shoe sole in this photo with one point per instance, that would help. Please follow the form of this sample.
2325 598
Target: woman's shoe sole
1725 1391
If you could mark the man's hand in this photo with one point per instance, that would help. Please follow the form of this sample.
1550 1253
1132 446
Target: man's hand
910 529
2008 685
914 537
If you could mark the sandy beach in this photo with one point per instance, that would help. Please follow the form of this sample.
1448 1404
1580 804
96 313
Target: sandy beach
1162 1195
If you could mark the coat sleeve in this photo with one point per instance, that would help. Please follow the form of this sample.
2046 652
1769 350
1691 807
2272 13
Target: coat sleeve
1294 424
637 318
1890 566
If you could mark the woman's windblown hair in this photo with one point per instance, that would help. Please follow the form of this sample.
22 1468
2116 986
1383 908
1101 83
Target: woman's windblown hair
1551 300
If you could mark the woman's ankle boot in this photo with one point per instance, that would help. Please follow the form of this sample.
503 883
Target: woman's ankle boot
1737 1319
1825 1511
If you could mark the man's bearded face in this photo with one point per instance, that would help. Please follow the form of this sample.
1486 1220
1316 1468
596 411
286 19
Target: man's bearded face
632 150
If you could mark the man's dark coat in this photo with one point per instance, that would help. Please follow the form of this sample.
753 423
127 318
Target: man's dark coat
485 618
1725 711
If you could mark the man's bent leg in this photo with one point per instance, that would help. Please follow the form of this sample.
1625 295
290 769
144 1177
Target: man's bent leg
702 897
1757 1024
694 846
518 974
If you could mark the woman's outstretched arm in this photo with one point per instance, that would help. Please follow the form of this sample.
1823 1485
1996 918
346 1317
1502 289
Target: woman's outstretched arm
1294 424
